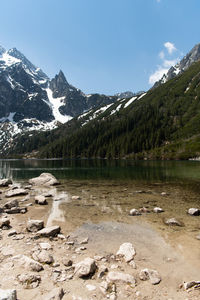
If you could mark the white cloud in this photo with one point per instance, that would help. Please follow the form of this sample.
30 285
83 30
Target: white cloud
162 55
170 47
158 1
167 61
157 75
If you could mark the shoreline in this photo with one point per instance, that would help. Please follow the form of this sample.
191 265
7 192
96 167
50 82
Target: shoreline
172 252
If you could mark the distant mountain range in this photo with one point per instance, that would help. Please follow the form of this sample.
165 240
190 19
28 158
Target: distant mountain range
123 125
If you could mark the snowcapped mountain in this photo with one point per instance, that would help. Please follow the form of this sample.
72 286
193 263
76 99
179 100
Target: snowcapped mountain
30 100
180 67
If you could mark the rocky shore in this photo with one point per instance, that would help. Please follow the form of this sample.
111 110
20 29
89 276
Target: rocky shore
40 260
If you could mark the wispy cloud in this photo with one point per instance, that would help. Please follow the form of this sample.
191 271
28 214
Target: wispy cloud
167 60
158 1
170 47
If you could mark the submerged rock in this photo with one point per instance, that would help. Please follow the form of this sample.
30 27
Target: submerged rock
127 251
46 179
8 294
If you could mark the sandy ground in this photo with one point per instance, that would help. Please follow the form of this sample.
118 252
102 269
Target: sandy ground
102 216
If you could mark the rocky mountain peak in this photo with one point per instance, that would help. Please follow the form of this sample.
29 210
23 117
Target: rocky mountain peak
190 58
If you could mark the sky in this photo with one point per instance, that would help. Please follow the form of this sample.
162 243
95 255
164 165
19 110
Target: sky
103 46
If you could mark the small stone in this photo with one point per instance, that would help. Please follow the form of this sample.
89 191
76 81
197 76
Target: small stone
158 210
120 277
127 251
48 231
198 237
35 225
85 267
5 182
12 232
43 257
76 198
28 262
132 264
91 287
18 237
194 211
102 270
41 200
173 222
67 262
16 192
8 294
84 241
190 284
7 251
61 236
29 280
55 294
45 246
152 275
4 222
144 210
164 194
134 212
10 204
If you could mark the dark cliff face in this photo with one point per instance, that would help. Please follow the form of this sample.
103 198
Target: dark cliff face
190 58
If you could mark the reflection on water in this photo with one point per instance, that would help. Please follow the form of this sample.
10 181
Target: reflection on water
102 169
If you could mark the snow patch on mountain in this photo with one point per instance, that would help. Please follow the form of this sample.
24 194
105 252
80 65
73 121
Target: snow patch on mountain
56 103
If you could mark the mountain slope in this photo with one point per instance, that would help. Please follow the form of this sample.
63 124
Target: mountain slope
165 115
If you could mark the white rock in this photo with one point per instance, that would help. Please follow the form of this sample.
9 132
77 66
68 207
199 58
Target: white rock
194 211
8 294
85 267
45 179
91 287
7 251
158 210
45 246
34 225
43 257
48 231
134 212
12 232
76 198
127 251
173 222
40 200
16 192
152 275
190 284
120 277
4 222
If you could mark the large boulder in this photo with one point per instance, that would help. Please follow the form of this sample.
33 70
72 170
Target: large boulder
85 267
35 225
48 231
45 179
152 275
120 277
127 251
5 182
8 294
16 192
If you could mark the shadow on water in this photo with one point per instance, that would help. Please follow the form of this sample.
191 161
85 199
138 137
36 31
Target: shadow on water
121 170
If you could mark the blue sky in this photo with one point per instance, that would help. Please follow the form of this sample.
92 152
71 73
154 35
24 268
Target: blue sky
104 46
